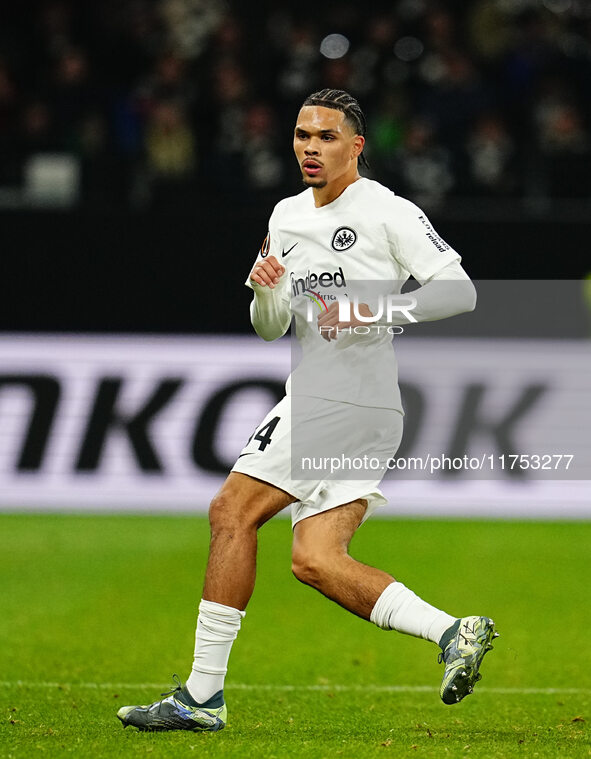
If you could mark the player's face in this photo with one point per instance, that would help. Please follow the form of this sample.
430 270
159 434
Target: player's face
325 145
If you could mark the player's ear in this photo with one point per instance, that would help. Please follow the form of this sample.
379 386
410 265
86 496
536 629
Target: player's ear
358 144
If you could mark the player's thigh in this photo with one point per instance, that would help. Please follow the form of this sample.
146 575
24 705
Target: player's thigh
328 532
246 501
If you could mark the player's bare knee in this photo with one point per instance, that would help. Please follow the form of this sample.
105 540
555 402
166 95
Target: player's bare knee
309 567
229 513
304 572
224 515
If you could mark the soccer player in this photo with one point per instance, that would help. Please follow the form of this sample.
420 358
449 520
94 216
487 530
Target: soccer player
342 229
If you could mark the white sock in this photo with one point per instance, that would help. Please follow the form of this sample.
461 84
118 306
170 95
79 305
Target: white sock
398 608
217 628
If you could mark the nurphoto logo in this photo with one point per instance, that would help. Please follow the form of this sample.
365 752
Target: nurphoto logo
384 307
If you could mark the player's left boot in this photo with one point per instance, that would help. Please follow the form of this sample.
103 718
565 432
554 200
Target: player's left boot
178 711
462 649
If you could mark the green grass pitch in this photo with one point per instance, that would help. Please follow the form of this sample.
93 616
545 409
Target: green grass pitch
99 611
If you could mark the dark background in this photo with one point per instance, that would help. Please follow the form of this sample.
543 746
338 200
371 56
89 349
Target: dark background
178 116
185 273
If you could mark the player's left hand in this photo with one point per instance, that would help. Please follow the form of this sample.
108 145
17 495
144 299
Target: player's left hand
329 324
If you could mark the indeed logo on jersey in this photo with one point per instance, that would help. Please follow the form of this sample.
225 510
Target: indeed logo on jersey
299 285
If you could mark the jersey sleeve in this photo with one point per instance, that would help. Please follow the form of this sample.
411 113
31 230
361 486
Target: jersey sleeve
270 311
415 244
271 247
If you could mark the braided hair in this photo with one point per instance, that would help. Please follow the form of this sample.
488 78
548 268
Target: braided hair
347 104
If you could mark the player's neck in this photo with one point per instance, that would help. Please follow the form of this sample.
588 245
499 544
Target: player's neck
325 195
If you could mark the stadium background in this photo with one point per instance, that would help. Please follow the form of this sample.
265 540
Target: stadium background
172 121
143 144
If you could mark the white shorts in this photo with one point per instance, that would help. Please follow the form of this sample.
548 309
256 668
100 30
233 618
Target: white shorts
324 453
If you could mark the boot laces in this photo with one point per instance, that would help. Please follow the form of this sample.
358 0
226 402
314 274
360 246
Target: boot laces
178 687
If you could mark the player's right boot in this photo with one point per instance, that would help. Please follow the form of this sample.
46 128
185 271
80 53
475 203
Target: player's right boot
178 711
462 649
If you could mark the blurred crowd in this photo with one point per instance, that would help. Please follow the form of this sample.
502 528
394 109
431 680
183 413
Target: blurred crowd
163 101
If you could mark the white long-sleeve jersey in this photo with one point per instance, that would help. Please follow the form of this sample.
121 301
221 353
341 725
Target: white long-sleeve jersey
363 246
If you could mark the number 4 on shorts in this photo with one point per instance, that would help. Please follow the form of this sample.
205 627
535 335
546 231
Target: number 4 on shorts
264 434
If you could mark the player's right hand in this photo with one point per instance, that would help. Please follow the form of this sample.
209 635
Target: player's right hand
267 272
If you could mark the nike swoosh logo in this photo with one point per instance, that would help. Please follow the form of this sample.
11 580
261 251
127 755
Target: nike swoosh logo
285 252
249 453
